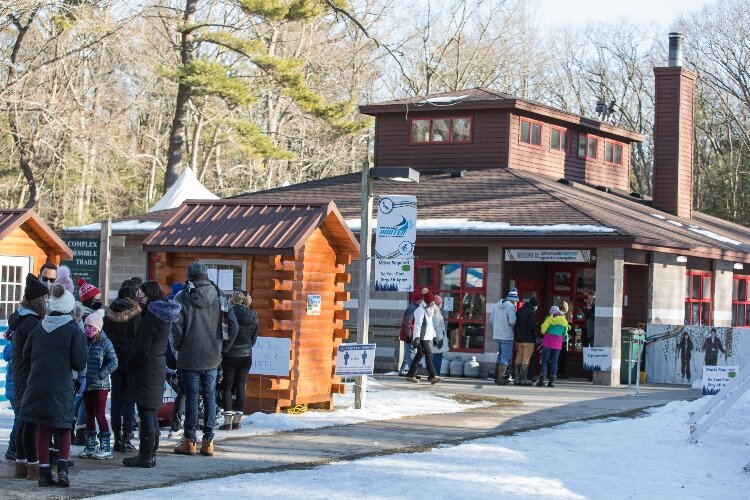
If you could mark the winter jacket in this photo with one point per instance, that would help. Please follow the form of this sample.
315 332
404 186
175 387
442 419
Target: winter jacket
8 358
55 347
121 322
440 343
147 367
22 322
555 331
503 319
423 327
247 334
100 363
196 335
407 322
524 330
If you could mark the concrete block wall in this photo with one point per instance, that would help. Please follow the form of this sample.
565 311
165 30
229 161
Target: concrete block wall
610 270
126 262
666 294
722 298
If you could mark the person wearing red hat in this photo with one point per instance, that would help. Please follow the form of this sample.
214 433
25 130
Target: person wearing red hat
91 297
407 324
422 335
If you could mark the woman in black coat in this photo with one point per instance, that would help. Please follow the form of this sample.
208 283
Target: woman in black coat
54 348
121 324
147 368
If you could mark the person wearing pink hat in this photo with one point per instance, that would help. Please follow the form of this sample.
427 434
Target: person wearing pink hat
422 335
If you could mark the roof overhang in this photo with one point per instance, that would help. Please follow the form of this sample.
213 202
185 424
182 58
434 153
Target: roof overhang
45 233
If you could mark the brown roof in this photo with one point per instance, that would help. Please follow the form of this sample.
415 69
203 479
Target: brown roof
250 227
483 98
11 219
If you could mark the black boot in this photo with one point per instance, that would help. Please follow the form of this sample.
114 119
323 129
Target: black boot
117 433
45 477
146 456
500 374
127 444
525 376
540 382
62 473
516 374
551 382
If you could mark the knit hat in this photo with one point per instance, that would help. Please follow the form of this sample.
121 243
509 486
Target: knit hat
438 301
428 298
34 288
554 310
197 271
512 295
87 290
95 319
61 300
416 297
63 277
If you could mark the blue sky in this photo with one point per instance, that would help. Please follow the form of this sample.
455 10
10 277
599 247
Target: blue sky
575 12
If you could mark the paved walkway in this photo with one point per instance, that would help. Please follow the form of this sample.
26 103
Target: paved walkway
542 407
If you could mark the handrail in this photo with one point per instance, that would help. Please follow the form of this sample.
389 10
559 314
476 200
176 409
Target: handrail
702 420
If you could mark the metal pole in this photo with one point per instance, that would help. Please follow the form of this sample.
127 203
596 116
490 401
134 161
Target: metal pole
363 304
105 251
641 343
630 360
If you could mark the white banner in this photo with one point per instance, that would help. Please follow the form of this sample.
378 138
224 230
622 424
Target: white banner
597 358
531 255
271 356
355 359
394 243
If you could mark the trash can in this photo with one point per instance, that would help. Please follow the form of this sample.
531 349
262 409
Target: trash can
625 357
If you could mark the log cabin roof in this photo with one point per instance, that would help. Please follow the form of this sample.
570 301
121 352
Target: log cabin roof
483 98
242 226
12 219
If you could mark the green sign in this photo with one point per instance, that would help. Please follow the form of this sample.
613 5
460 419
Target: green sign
85 263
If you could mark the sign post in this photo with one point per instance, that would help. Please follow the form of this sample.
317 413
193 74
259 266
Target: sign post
394 243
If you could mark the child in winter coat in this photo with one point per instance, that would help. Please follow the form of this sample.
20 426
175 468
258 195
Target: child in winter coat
555 330
102 361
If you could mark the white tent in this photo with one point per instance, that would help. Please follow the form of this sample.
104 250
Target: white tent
187 187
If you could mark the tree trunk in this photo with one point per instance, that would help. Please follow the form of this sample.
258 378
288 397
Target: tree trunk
177 132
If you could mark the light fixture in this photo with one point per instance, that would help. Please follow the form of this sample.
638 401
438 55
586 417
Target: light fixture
738 266
681 258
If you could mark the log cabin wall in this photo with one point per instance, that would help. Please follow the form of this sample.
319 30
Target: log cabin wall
24 242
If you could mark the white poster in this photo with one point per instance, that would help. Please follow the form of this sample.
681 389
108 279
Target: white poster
313 305
226 279
355 359
716 377
597 358
531 255
394 243
213 274
271 356
448 304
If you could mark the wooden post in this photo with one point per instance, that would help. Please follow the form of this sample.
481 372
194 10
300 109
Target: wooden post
105 242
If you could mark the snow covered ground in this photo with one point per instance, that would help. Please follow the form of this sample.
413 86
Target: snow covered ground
643 458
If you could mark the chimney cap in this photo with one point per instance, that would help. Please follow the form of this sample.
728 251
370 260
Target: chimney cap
675 48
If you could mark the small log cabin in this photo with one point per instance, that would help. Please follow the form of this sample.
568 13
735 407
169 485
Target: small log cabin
281 254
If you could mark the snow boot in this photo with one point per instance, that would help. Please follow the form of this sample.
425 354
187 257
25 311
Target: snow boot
435 380
62 473
127 442
45 477
413 380
117 447
237 420
33 471
551 382
207 448
146 456
500 374
80 436
525 376
540 382
186 447
516 374
227 425
90 448
105 450
22 469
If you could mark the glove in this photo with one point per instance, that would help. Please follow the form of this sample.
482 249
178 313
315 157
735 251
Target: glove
435 343
415 342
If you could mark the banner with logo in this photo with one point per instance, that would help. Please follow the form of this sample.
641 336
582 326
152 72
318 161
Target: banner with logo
394 243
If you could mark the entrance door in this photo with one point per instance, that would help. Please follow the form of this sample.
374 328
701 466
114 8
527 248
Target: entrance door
13 272
635 299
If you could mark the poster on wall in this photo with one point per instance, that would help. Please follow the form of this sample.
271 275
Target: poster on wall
676 354
85 263
597 358
395 236
313 305
355 359
271 356
716 377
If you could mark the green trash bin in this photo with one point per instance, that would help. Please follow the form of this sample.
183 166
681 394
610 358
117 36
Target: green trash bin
626 334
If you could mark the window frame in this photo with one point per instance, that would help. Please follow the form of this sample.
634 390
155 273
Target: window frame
689 300
228 262
564 148
531 123
614 145
587 137
736 303
450 129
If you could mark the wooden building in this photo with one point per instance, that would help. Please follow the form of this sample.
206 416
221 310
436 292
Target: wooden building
283 254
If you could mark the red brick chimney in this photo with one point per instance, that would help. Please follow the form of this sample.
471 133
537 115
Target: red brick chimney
673 134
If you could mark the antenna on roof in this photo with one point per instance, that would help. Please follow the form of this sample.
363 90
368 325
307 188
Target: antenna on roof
604 110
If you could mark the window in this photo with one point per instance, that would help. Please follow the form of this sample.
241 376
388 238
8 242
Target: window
227 274
13 272
531 132
587 146
740 301
613 153
463 287
440 130
698 298
558 140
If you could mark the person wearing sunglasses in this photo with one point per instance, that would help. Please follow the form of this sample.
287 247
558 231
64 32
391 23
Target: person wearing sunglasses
48 274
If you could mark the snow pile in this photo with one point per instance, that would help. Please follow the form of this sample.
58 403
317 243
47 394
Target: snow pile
443 100
645 457
714 236
467 225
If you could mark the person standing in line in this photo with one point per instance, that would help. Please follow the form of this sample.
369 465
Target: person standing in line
91 297
238 359
21 323
685 350
712 346
422 336
407 324
178 407
10 453
54 348
203 330
439 345
524 333
555 331
503 320
48 274
122 322
101 362
147 368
